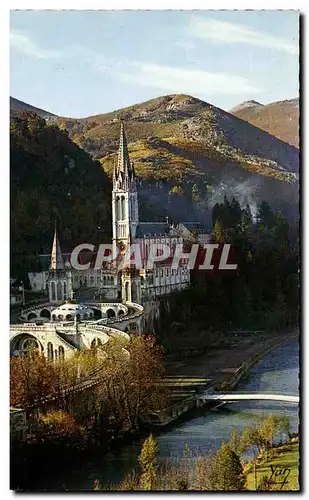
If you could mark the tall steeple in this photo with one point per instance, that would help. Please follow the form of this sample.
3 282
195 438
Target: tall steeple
56 261
124 195
123 172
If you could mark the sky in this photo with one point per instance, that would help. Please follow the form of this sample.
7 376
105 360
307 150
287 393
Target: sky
82 63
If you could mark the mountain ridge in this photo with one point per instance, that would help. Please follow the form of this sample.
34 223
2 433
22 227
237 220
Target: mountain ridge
279 118
189 153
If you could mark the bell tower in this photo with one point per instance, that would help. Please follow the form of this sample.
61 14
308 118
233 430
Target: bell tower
124 195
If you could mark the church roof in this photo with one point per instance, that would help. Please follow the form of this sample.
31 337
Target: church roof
197 227
145 229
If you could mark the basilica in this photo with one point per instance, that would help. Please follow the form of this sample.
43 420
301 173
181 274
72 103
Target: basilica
62 282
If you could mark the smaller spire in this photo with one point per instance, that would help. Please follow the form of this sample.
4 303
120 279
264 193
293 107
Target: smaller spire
56 261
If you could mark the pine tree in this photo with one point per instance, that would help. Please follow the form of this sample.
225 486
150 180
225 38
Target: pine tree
227 473
148 464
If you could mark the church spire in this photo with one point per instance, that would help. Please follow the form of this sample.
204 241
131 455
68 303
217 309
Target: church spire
56 261
123 170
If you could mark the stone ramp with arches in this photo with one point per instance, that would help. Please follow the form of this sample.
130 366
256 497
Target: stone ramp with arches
59 339
47 311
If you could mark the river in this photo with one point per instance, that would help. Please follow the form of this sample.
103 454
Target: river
206 429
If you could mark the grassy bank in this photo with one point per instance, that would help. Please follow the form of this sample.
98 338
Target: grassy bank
276 468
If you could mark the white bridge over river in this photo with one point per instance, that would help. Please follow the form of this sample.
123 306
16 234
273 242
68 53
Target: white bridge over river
254 396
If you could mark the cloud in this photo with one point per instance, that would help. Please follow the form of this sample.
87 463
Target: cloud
23 44
185 44
223 32
185 80
26 46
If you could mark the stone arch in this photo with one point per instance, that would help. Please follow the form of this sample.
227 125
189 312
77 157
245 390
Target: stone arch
126 329
61 352
24 342
99 341
53 290
110 313
45 313
31 316
120 313
93 344
50 351
97 313
59 291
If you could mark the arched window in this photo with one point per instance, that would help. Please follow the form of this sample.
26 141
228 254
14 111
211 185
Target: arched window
123 208
50 351
59 291
93 344
61 352
53 291
110 313
31 316
127 297
134 291
99 341
64 290
54 317
118 208
60 317
69 317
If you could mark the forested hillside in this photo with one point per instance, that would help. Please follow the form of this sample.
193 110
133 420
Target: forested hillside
53 180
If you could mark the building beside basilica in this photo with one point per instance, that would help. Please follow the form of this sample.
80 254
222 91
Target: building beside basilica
62 282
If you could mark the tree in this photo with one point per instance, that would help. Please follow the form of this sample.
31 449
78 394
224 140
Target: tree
31 379
148 464
226 473
218 233
131 383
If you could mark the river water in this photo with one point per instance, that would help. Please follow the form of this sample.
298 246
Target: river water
278 372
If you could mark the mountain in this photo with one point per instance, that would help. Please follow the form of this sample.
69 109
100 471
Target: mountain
17 107
280 119
187 153
245 105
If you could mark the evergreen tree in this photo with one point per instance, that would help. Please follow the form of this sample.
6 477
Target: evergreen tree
227 473
265 217
247 217
148 464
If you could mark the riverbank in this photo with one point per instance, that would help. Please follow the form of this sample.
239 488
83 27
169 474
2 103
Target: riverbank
225 363
281 470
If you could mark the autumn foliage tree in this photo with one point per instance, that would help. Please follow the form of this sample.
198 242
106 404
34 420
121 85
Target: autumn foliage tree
131 382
